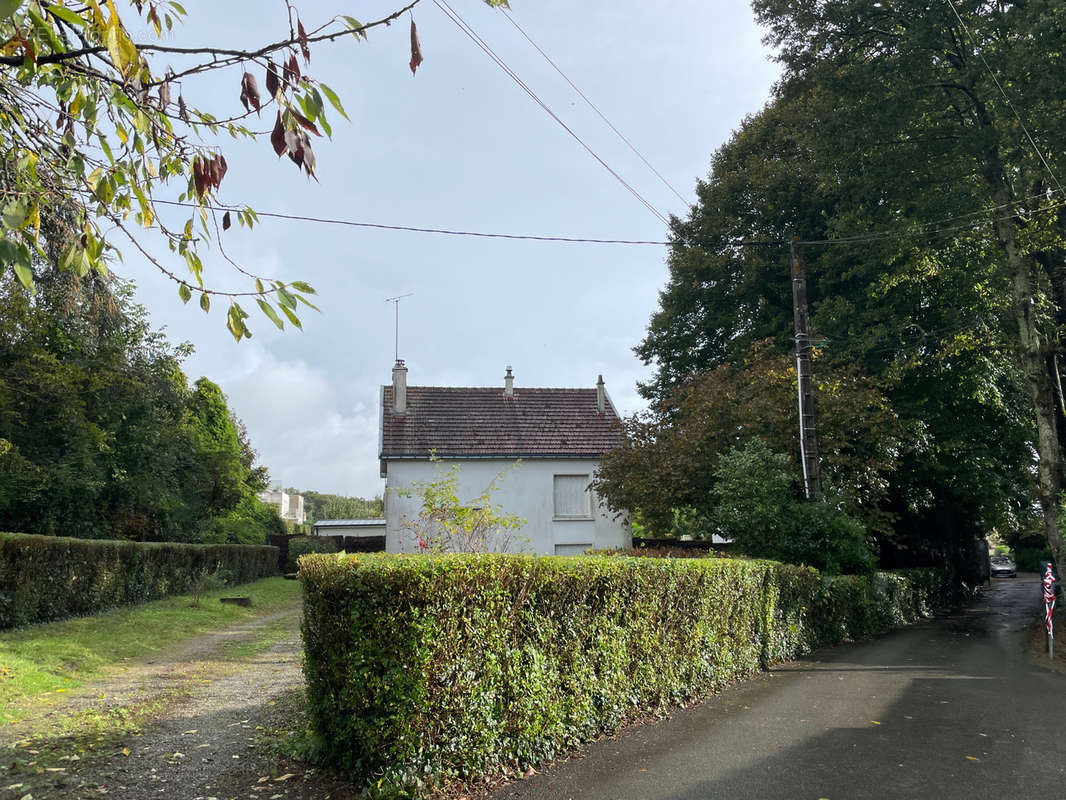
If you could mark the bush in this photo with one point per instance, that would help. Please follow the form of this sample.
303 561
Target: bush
424 669
45 578
302 545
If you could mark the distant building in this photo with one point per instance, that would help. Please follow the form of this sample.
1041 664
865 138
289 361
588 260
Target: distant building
290 506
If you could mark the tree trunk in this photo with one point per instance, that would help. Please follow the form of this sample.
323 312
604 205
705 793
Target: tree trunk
1036 348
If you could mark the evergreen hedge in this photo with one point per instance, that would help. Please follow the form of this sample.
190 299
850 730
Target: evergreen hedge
422 669
45 578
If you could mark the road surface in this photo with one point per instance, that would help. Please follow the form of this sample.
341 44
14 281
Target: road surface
955 707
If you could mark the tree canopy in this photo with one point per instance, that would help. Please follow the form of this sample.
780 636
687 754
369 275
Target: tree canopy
101 436
931 225
90 119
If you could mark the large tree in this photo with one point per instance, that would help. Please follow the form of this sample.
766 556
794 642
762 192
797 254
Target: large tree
92 119
943 110
906 280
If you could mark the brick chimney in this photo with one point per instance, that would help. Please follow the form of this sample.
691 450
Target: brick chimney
508 383
601 396
399 387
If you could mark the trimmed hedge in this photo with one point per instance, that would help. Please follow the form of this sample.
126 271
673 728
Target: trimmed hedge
45 578
422 669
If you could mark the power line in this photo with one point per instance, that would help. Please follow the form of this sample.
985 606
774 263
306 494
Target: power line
592 105
1010 105
485 48
413 229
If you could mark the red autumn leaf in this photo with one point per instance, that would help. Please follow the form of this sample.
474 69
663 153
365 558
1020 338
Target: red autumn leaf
294 146
292 71
273 83
220 167
302 36
304 121
416 48
198 177
277 137
250 93
226 221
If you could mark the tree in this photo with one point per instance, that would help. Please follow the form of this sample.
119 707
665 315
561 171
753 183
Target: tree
90 119
671 455
920 305
100 433
954 99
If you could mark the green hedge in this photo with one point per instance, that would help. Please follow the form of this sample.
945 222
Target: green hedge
45 578
421 669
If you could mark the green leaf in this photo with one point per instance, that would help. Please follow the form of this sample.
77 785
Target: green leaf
205 302
15 214
332 97
292 317
25 275
184 293
306 288
286 298
272 315
66 15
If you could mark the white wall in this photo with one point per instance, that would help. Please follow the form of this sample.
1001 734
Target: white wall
525 490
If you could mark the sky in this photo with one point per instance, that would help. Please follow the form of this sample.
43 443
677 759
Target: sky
461 146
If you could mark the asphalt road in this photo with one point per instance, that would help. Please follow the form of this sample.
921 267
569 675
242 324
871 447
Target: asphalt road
951 708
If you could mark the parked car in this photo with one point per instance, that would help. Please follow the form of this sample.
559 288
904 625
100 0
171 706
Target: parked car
1003 567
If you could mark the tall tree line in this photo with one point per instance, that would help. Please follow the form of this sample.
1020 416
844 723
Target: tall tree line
101 434
932 229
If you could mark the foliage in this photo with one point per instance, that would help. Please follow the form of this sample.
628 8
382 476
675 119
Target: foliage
757 507
96 121
302 545
667 465
50 577
928 236
447 524
424 669
100 434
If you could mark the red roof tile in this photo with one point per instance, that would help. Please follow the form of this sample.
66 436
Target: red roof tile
483 422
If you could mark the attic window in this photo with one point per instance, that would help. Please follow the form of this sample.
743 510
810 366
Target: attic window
572 497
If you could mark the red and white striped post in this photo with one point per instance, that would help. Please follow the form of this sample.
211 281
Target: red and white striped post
1049 607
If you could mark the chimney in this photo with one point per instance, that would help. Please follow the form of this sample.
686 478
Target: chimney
508 383
399 387
601 396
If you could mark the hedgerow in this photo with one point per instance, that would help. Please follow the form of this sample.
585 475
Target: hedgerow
45 578
425 669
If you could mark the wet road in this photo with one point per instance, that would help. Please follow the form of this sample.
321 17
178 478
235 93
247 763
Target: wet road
951 708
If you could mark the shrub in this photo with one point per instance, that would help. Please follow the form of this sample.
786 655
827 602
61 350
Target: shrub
45 578
423 669
302 545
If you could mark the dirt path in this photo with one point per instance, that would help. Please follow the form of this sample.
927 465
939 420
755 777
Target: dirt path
210 712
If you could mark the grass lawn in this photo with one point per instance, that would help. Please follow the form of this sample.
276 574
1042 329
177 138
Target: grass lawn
59 656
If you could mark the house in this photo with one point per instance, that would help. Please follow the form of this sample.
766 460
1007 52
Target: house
290 506
558 435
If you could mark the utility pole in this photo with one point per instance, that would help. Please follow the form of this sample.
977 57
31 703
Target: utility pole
812 481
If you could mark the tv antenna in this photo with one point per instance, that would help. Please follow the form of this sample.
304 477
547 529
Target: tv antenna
396 301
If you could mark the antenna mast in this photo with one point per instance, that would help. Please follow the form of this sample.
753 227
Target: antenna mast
396 301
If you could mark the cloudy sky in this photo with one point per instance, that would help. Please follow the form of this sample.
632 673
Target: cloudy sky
461 146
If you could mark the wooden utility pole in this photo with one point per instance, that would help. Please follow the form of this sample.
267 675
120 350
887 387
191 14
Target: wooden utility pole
812 480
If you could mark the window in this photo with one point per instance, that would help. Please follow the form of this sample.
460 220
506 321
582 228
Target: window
572 497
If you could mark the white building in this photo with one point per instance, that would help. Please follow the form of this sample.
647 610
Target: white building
558 435
290 506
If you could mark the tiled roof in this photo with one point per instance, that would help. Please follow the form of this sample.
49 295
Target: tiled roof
483 422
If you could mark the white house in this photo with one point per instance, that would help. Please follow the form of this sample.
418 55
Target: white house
558 434
290 506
